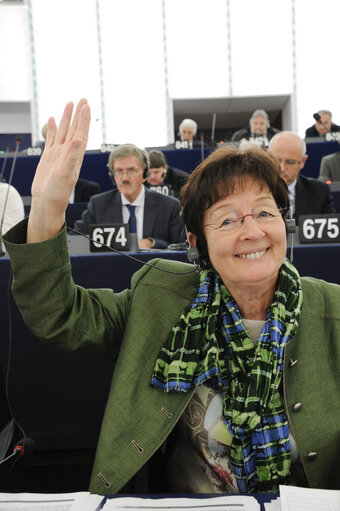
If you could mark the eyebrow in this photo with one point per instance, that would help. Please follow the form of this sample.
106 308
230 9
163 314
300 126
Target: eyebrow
258 199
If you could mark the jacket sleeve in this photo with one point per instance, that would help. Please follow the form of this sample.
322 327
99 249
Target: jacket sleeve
54 308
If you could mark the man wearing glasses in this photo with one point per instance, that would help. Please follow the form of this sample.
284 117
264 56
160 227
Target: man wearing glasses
309 196
153 216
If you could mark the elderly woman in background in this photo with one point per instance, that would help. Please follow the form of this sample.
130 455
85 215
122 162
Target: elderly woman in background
227 375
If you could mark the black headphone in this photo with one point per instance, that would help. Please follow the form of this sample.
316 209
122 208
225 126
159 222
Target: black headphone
143 156
195 256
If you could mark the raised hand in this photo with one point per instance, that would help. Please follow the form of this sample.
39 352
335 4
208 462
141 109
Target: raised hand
58 171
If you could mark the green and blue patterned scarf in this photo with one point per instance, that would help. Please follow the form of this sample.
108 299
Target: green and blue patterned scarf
210 345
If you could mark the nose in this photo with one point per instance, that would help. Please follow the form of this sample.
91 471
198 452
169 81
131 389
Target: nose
250 229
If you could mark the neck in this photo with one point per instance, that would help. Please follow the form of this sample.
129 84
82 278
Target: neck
253 303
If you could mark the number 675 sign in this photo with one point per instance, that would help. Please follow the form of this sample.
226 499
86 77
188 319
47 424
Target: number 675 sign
319 228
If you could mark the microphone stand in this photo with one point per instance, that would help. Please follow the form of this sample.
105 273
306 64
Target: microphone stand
4 165
17 144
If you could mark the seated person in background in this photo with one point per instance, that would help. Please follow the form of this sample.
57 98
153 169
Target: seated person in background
84 190
330 167
319 129
308 195
162 178
259 132
41 143
155 217
187 131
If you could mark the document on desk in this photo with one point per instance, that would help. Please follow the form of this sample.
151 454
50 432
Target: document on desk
78 501
225 502
293 498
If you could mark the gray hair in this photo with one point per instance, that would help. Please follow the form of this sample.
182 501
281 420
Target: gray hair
325 112
188 123
124 150
260 113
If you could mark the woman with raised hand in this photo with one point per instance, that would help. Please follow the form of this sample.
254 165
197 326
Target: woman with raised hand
223 378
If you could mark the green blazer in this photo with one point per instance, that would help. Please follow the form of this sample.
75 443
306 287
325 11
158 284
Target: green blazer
123 327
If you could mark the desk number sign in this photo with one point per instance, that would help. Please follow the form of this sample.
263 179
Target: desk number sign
319 228
109 235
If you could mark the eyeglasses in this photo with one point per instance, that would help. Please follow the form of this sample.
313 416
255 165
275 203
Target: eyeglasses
262 216
130 172
290 163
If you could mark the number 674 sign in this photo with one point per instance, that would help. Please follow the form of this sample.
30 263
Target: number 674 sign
319 228
109 235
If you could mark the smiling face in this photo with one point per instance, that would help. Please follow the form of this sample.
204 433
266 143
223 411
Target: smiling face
251 256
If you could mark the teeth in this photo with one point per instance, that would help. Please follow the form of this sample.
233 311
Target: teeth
254 255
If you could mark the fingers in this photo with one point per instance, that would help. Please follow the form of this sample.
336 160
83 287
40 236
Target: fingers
51 132
66 132
71 132
64 125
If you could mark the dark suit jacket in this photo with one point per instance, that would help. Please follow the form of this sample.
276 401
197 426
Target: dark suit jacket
162 220
84 190
312 197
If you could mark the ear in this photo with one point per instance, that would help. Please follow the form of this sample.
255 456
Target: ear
305 158
192 239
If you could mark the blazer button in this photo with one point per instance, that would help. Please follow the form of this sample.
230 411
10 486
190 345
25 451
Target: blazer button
297 407
312 455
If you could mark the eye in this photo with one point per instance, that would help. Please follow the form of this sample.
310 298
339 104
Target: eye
265 214
227 221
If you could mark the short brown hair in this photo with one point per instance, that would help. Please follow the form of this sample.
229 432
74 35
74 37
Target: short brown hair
219 175
157 159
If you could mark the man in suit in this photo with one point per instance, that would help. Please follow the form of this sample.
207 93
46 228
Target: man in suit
326 129
309 196
330 167
162 178
153 216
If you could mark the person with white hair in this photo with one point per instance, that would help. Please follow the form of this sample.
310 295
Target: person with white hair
187 131
259 132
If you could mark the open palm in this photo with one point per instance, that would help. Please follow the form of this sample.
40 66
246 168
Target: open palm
58 171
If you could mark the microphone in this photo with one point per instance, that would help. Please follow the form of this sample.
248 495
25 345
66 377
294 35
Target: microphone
4 165
202 145
17 144
317 117
213 143
25 446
